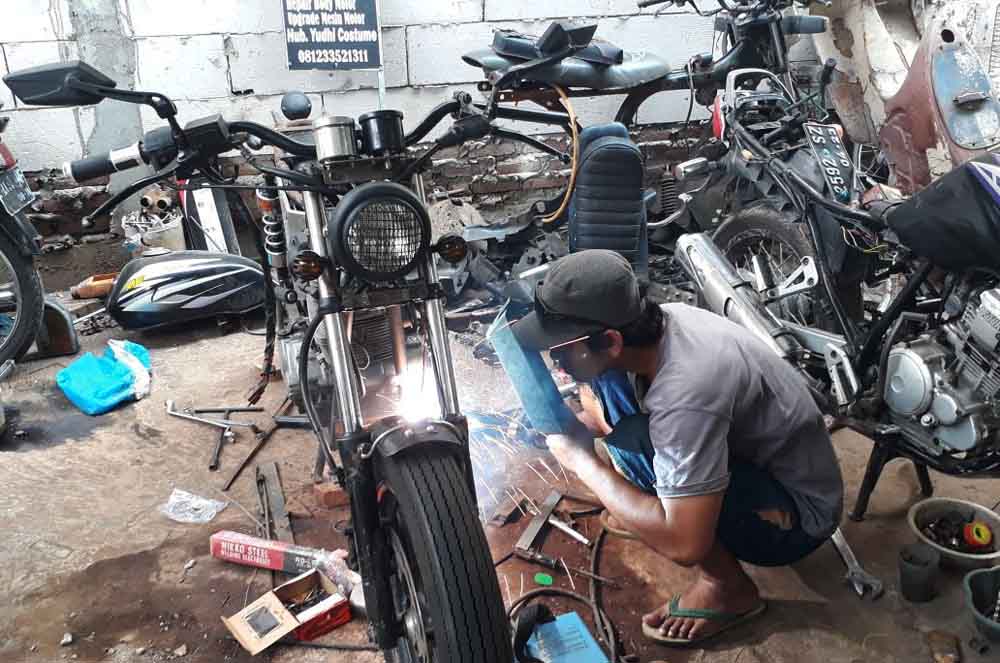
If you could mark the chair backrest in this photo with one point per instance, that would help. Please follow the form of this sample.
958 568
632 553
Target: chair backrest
608 209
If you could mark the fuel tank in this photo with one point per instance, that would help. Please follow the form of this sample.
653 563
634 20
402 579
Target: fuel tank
182 286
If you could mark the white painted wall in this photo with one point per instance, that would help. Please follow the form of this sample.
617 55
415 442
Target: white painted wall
228 56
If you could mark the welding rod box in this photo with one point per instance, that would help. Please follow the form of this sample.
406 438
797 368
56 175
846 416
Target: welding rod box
269 619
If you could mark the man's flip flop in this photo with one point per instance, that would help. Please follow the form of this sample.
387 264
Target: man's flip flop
727 620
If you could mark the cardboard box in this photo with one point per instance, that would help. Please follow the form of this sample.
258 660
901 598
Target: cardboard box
270 618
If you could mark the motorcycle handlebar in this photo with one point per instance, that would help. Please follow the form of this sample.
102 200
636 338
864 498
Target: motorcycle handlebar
106 163
642 4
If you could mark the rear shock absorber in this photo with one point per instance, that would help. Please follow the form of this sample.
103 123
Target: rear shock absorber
274 235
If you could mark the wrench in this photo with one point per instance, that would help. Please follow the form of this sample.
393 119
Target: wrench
218 423
862 581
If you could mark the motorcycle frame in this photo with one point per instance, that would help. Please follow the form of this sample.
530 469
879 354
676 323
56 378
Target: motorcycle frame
864 351
746 52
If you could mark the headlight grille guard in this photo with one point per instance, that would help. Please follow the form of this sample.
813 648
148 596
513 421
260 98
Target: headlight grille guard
379 232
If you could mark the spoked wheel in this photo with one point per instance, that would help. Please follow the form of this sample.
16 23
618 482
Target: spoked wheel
21 301
446 598
761 231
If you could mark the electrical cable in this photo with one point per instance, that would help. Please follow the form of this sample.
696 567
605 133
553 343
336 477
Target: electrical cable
270 299
575 136
602 622
310 406
687 120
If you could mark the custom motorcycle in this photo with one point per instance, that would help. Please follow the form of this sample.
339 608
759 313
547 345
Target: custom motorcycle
920 374
747 34
21 295
347 242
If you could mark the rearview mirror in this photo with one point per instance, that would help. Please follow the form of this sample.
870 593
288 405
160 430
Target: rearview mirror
55 84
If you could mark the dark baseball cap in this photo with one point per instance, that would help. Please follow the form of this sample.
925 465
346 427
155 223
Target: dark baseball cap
583 294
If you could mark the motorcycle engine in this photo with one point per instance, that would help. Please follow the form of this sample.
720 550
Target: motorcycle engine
943 389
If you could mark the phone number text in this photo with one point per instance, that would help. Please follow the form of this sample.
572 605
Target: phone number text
333 56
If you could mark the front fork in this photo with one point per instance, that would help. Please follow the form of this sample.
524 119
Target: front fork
372 548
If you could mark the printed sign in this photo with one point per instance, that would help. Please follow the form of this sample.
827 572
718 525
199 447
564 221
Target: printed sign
332 34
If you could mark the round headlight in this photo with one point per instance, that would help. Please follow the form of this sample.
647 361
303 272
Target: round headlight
379 231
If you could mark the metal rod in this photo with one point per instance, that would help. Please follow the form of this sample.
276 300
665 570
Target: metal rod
444 370
339 346
569 531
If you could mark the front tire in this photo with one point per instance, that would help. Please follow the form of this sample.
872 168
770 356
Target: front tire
443 581
19 325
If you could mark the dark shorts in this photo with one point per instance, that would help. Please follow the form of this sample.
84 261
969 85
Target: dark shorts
741 530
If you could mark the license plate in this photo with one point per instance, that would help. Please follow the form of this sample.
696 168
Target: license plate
837 167
15 194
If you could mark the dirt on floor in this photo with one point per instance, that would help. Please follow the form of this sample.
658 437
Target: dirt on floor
86 551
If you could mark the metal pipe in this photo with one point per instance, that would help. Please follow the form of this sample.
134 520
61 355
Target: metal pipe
395 314
729 295
437 330
336 330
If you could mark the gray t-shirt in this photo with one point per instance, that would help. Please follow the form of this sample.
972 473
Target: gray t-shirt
719 393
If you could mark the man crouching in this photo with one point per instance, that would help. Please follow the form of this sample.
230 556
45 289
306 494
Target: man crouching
717 452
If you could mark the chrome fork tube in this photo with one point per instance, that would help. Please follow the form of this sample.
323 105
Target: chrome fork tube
348 400
437 331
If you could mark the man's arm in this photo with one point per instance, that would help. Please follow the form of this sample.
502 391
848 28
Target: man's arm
681 528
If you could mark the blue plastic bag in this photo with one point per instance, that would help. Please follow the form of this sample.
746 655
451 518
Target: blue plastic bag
98 384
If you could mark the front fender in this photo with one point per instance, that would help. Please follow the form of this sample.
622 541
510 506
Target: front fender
394 436
20 231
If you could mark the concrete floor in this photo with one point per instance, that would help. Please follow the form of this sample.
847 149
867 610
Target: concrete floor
84 549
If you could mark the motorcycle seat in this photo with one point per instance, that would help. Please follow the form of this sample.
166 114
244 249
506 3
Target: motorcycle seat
635 69
518 46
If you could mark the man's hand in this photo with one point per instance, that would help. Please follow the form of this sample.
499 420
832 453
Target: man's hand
572 451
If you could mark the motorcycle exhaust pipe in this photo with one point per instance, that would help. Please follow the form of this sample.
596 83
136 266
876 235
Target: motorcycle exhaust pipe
728 294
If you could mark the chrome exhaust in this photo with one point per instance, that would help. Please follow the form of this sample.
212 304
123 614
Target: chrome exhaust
728 294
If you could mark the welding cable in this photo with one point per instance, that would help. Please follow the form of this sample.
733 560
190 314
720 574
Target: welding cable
608 634
575 137
601 620
600 617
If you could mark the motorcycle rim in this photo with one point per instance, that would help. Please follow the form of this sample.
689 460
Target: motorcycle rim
783 259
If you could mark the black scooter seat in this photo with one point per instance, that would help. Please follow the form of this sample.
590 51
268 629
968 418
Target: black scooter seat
635 69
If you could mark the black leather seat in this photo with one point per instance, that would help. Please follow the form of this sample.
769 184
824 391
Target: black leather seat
600 66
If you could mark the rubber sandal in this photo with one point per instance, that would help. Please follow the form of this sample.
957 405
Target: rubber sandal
616 531
727 619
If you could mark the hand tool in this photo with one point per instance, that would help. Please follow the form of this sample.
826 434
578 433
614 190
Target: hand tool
224 410
552 563
863 582
219 423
